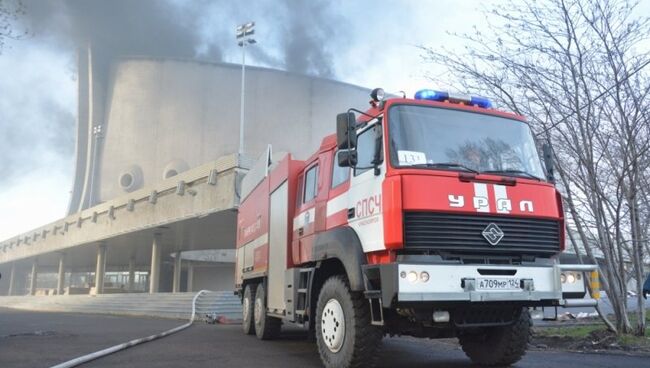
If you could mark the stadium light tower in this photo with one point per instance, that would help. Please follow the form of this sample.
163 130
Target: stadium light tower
244 36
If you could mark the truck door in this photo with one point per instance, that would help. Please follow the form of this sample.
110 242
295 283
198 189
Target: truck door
336 211
304 222
364 199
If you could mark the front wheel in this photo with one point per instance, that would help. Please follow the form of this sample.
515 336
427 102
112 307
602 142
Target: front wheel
344 334
499 346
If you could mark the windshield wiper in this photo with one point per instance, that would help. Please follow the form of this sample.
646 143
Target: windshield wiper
446 165
513 172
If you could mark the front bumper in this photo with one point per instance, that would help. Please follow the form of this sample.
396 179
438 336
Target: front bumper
538 284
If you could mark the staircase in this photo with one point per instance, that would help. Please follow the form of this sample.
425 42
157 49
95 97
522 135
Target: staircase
223 305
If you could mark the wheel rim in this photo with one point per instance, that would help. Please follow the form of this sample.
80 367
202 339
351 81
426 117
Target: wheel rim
333 325
258 310
246 309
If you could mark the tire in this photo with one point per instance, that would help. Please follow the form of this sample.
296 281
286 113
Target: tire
266 328
356 344
248 301
499 346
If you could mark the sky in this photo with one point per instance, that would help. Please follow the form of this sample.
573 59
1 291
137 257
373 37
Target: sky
368 43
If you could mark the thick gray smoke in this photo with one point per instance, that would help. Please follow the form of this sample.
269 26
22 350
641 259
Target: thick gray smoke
300 32
293 35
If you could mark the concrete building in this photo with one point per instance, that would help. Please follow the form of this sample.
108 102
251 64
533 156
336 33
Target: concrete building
157 177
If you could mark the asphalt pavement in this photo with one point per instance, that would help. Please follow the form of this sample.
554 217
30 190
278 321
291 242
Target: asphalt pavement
38 339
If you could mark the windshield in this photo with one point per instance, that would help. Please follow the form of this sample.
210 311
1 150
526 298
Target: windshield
460 140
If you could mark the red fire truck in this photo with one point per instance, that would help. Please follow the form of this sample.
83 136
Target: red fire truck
430 217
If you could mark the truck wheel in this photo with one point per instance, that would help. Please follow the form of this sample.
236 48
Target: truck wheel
499 346
266 328
344 334
247 310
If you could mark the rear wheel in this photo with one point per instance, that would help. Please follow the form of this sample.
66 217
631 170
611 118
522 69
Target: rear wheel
344 334
247 310
499 346
266 328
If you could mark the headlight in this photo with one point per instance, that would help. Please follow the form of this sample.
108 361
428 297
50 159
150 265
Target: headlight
563 278
412 277
415 276
571 278
424 276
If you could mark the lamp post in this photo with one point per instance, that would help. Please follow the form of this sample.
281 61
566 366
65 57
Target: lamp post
244 36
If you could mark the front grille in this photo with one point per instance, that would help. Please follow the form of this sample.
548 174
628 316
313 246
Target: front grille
462 234
484 316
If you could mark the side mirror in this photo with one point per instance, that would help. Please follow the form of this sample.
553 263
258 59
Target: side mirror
549 161
347 158
346 133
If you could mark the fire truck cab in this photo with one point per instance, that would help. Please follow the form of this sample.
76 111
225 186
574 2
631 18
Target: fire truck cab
431 217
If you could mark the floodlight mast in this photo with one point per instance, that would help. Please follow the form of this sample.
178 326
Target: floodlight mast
244 35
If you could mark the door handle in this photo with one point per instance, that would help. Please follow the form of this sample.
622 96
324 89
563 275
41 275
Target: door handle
301 231
350 213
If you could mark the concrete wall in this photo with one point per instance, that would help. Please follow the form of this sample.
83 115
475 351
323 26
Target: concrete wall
162 115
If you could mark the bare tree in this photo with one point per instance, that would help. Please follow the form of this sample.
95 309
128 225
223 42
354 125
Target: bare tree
576 70
10 11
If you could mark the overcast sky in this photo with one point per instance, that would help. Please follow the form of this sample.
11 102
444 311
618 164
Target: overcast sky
369 43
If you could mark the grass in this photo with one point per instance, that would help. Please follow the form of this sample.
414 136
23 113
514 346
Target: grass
576 332
596 331
632 340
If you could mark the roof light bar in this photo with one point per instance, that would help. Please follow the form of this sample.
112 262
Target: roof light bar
482 102
431 95
441 96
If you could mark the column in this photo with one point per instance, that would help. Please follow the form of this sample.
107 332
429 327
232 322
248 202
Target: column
33 281
176 285
60 283
154 274
12 280
100 270
190 276
131 274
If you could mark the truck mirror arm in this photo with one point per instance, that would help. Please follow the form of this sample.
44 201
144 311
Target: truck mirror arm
377 160
549 161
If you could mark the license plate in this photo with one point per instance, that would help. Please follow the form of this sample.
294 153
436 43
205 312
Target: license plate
497 283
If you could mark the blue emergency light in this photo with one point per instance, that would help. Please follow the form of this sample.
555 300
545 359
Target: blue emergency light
431 95
482 102
440 96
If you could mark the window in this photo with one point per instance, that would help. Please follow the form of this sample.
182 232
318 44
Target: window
366 143
429 135
339 174
311 180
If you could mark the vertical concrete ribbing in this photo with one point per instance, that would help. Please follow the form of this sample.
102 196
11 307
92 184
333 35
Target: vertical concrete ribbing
154 275
176 285
12 280
33 282
100 270
60 282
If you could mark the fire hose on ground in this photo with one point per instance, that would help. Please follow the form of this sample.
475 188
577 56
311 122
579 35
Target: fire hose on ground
102 353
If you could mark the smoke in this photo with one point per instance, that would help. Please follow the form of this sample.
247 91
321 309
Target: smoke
298 35
292 35
36 127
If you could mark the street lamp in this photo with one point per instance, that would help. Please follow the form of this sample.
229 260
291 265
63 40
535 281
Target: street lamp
244 36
